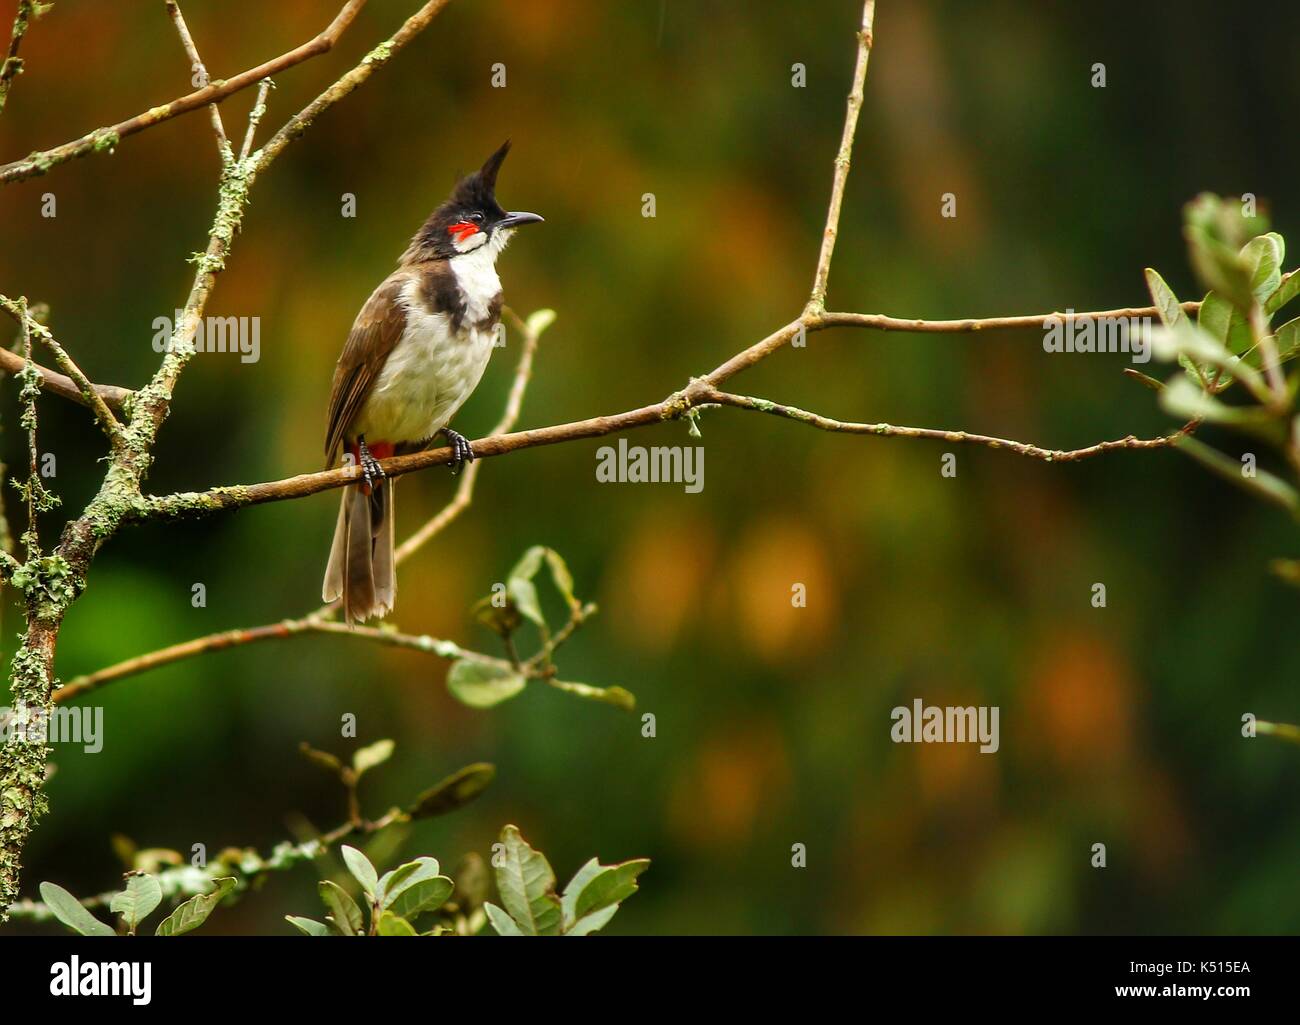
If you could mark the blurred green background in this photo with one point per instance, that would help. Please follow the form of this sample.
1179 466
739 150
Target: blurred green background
1119 725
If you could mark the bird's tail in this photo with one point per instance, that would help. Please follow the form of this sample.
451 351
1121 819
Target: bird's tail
361 569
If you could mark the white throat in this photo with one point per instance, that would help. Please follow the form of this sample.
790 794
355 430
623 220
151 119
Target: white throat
476 273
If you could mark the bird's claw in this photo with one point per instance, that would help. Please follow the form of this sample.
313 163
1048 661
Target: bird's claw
371 471
461 452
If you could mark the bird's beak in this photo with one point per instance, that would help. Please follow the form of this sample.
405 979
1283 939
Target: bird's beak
518 217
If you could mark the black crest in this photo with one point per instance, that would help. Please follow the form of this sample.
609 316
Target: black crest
478 191
475 192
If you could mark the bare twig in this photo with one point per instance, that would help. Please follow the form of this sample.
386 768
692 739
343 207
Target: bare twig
31 536
371 63
255 117
87 393
11 67
682 403
817 299
62 385
197 67
882 430
880 322
108 137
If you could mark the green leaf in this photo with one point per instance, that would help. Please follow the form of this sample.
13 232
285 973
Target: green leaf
195 911
527 886
403 876
71 912
423 895
539 320
375 754
562 578
456 791
501 922
1263 255
1220 268
323 759
520 586
1225 323
1264 484
308 926
501 619
482 684
1166 303
1184 399
391 882
616 696
344 912
1285 293
593 922
1202 354
391 925
138 901
1286 569
472 882
364 872
1143 379
1288 340
596 887
1284 730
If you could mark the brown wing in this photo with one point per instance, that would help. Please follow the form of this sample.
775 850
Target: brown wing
375 332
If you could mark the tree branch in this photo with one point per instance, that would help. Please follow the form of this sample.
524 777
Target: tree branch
52 584
108 137
255 117
11 67
60 384
817 299
371 63
317 621
87 393
197 66
958 437
700 392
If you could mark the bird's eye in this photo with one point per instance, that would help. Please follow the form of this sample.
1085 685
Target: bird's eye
476 217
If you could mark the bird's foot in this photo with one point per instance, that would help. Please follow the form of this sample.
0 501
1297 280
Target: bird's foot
461 452
371 472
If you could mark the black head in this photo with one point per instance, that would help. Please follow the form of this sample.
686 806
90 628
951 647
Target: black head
471 218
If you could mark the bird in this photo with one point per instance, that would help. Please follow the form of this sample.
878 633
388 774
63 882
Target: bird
416 352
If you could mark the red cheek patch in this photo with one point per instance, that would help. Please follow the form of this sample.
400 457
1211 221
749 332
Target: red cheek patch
462 230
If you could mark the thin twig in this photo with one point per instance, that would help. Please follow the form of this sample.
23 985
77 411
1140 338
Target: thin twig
197 67
255 117
11 67
31 536
107 138
817 299
60 384
880 322
371 63
196 504
87 392
883 430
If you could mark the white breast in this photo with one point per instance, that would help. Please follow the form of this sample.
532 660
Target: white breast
432 370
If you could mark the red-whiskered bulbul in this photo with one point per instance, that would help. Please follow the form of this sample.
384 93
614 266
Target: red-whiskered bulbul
416 351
